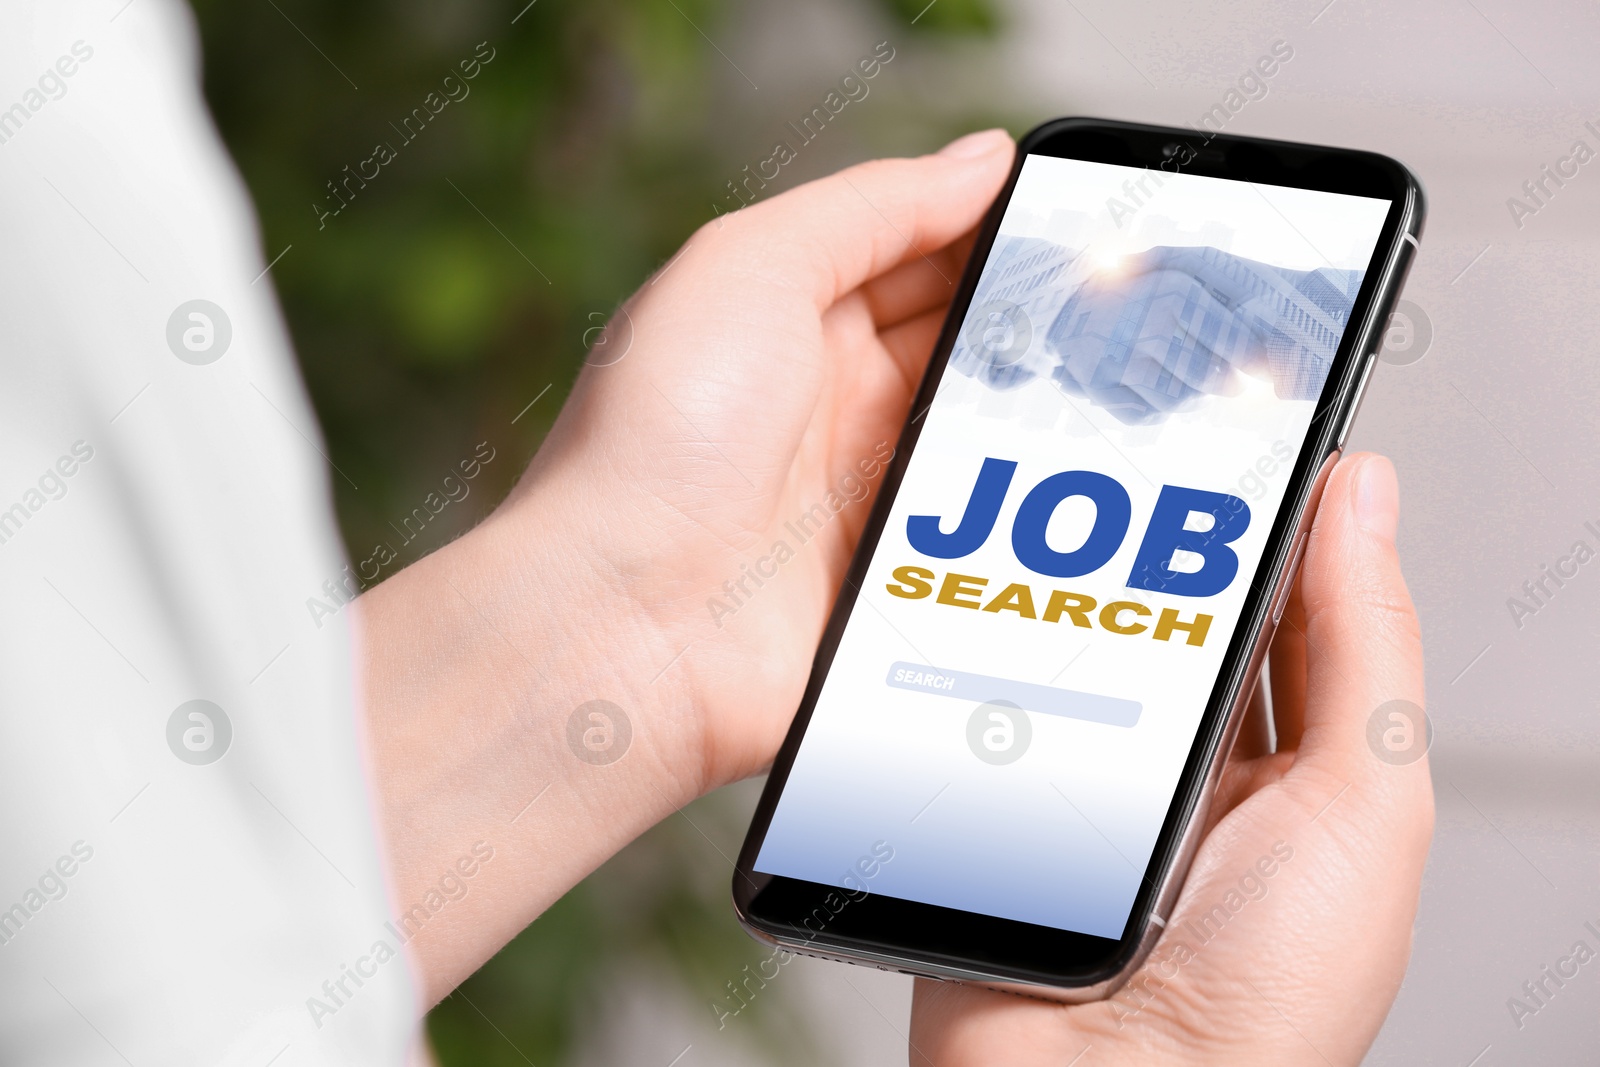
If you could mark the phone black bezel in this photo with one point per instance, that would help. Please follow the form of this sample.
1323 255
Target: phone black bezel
960 942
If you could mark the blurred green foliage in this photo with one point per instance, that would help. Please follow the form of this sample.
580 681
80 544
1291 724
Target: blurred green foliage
947 16
455 287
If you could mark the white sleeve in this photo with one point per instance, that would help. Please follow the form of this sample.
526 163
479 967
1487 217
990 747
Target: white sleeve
180 882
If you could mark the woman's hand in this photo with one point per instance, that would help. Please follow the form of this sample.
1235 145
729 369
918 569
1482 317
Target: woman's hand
724 458
673 550
1294 927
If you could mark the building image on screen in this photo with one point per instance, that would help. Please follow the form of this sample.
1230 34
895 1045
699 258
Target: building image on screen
1145 334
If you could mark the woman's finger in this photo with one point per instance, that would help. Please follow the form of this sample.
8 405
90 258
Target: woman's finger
830 236
1363 643
918 286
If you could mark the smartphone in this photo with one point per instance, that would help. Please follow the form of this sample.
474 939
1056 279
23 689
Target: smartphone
1079 553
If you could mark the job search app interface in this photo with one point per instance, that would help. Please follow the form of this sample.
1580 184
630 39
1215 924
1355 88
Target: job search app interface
1025 668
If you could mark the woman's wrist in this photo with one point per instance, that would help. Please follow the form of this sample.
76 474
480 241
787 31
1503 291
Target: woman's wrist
515 701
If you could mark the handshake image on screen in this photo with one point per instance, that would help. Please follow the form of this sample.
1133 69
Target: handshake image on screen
1148 334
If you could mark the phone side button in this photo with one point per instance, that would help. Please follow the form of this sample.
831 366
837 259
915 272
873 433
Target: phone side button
1355 401
1282 599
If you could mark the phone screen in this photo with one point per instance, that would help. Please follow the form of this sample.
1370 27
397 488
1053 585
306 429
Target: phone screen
1017 688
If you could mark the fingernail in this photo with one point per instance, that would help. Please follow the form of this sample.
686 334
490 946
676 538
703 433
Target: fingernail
1377 497
977 144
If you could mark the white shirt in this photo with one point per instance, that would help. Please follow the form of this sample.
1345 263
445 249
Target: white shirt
164 517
